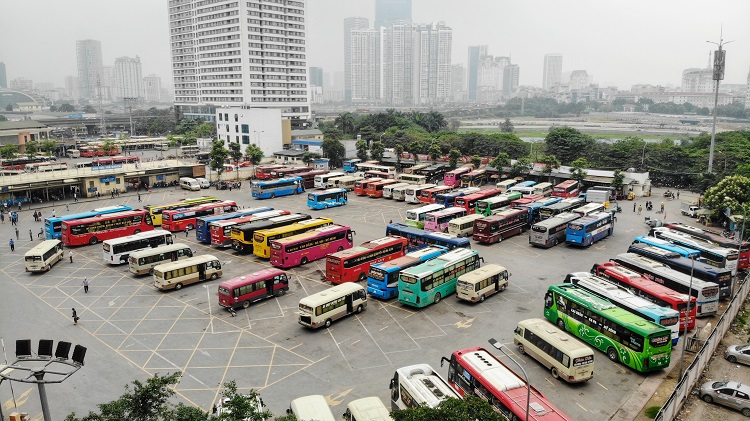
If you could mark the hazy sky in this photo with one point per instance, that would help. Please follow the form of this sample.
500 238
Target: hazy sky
619 42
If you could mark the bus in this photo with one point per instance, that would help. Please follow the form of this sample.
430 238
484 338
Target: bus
589 229
622 335
544 189
313 407
189 150
360 187
430 281
309 246
321 309
710 253
321 180
221 231
382 278
242 235
469 201
144 261
347 182
588 209
203 224
414 179
419 238
155 211
376 189
622 298
380 174
418 385
494 204
476 178
19 163
536 206
649 290
262 238
352 265
53 225
505 185
706 293
438 221
247 289
434 171
448 199
670 247
525 200
308 178
566 189
482 282
92 230
429 195
274 188
263 172
526 188
700 270
350 165
115 160
718 239
388 189
327 199
367 409
551 232
117 250
476 371
46 166
415 217
463 226
194 269
374 166
289 172
564 356
43 256
563 206
413 193
453 178
495 228
413 169
185 219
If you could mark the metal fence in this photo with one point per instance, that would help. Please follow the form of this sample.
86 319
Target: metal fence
675 401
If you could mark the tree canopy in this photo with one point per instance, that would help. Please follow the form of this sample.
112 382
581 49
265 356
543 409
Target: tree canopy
471 408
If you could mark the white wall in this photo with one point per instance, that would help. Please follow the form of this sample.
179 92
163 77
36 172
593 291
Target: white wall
263 128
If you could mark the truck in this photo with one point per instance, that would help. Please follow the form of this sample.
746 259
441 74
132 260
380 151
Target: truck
597 196
689 209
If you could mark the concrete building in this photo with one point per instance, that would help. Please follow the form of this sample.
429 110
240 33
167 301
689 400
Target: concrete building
363 71
350 68
247 125
21 84
152 88
552 70
250 53
109 83
89 59
72 89
3 76
490 80
388 12
316 76
21 132
579 79
699 99
458 83
307 134
511 76
476 52
698 80
128 78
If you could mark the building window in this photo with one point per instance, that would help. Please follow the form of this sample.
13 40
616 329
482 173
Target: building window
226 118
245 128
236 128
220 117
245 140
237 139
235 118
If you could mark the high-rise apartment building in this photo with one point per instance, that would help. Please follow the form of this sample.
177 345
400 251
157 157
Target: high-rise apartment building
316 76
128 77
363 71
511 75
351 24
109 83
21 84
698 80
89 59
552 70
476 52
71 87
579 79
250 53
152 88
388 12
3 76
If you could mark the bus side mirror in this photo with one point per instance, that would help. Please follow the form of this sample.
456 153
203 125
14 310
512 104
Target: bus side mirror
442 360
391 384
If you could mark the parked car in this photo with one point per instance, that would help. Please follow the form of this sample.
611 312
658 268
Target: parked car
738 354
731 394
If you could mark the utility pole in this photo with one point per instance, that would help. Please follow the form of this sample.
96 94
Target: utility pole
718 75
129 102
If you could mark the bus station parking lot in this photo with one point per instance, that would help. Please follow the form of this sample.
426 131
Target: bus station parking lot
133 331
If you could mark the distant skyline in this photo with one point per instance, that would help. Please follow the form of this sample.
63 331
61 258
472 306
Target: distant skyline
618 42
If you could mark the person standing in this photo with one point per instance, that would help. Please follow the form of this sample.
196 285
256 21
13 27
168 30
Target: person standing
633 206
640 208
53 213
31 236
75 197
678 194
187 232
75 316
85 284
70 255
17 234
12 245
662 207
139 198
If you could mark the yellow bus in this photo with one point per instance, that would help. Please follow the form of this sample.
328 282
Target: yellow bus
262 238
156 210
43 256
483 282
177 274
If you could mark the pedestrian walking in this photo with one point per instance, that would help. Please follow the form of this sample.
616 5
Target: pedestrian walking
75 197
662 207
12 245
70 255
20 209
634 207
85 284
75 316
139 198
40 235
53 213
187 232
640 208
31 236
17 234
2 217
66 207
678 194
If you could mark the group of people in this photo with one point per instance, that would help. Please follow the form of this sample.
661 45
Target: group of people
37 216
13 217
115 193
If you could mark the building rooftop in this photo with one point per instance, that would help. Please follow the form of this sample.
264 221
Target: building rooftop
308 132
16 125
290 153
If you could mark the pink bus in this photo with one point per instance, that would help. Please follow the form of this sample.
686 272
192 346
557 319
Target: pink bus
438 221
453 178
312 245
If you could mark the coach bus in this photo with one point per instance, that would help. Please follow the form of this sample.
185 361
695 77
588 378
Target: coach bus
543 189
247 289
482 282
413 169
376 189
388 189
494 204
155 211
189 271
290 172
309 246
448 199
203 224
104 227
274 188
350 165
242 235
566 189
551 232
117 250
453 178
718 239
263 172
625 337
373 166
360 187
469 201
323 308
476 371
415 217
347 182
262 238
185 219
221 231
382 278
419 238
495 228
308 178
413 193
565 205
321 180
53 225
505 185
589 229
524 190
649 290
143 262
327 199
429 195
668 246
429 282
399 193
464 226
525 200
438 221
414 179
476 178
588 209
536 206
43 256
710 253
418 385
706 293
353 265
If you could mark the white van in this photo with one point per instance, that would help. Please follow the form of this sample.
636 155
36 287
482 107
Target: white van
73 153
188 183
309 408
367 409
203 182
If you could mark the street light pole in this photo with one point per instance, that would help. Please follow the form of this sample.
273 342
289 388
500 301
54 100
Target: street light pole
718 75
499 346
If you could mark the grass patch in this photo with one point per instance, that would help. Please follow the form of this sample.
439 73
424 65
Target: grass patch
651 411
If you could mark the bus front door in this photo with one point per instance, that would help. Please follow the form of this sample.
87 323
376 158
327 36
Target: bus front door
269 287
202 272
349 304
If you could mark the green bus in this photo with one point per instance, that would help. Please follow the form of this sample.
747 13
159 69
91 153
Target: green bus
636 342
495 204
428 283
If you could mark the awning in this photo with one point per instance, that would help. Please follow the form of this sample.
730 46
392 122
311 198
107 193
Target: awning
598 179
70 180
704 212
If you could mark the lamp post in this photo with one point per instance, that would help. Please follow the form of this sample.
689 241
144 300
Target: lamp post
499 346
718 75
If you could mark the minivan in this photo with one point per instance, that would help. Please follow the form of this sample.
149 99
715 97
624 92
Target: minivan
188 183
203 182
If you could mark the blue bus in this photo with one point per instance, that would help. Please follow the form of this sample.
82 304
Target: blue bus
447 199
327 199
419 239
281 187
525 184
535 207
382 280
350 165
666 245
52 226
202 231
589 229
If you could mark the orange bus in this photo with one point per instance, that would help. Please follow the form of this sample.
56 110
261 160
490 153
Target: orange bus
376 189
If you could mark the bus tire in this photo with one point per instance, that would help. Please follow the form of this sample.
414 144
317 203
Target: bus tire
359 309
245 304
341 248
273 195
554 372
213 276
481 298
93 240
137 231
123 260
328 323
178 286
151 271
521 349
612 354
362 277
280 292
502 288
190 227
303 261
561 325
437 298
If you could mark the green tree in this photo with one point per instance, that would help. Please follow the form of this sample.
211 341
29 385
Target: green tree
53 108
254 154
618 181
49 146
435 151
235 151
453 156
218 157
361 146
567 143
476 161
308 157
32 148
506 126
205 130
398 150
109 146
521 167
89 109
550 163
731 192
332 134
8 151
241 407
377 150
470 408
501 160
577 169
66 108
9 107
368 133
345 123
334 151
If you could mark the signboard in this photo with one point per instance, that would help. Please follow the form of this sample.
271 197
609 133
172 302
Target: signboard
719 57
106 167
109 179
159 178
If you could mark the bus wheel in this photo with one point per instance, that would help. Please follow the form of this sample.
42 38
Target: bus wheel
521 350
93 240
340 248
178 286
280 292
303 261
273 195
612 354
245 304
359 309
328 323
190 226
437 298
151 271
137 231
500 239
362 277
213 276
554 372
561 324
502 288
481 298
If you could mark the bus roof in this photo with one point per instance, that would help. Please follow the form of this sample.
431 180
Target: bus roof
106 215
160 249
492 369
145 234
241 280
326 295
448 211
185 262
313 407
565 342
312 233
185 201
468 218
427 208
427 382
481 273
42 247
562 218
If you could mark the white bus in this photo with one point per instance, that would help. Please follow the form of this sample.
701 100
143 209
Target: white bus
323 308
543 189
161 146
562 354
321 180
524 190
505 185
144 261
189 150
346 182
388 189
367 409
588 209
463 226
311 408
177 274
43 256
418 384
117 250
73 153
551 231
413 192
412 179
399 193
415 217
482 282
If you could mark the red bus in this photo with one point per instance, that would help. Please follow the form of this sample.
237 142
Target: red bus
649 290
96 150
504 224
221 231
453 178
264 172
376 189
469 201
290 172
311 245
568 188
428 195
525 200
308 178
129 159
353 264
78 232
718 239
180 219
360 187
20 163
476 371
246 289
